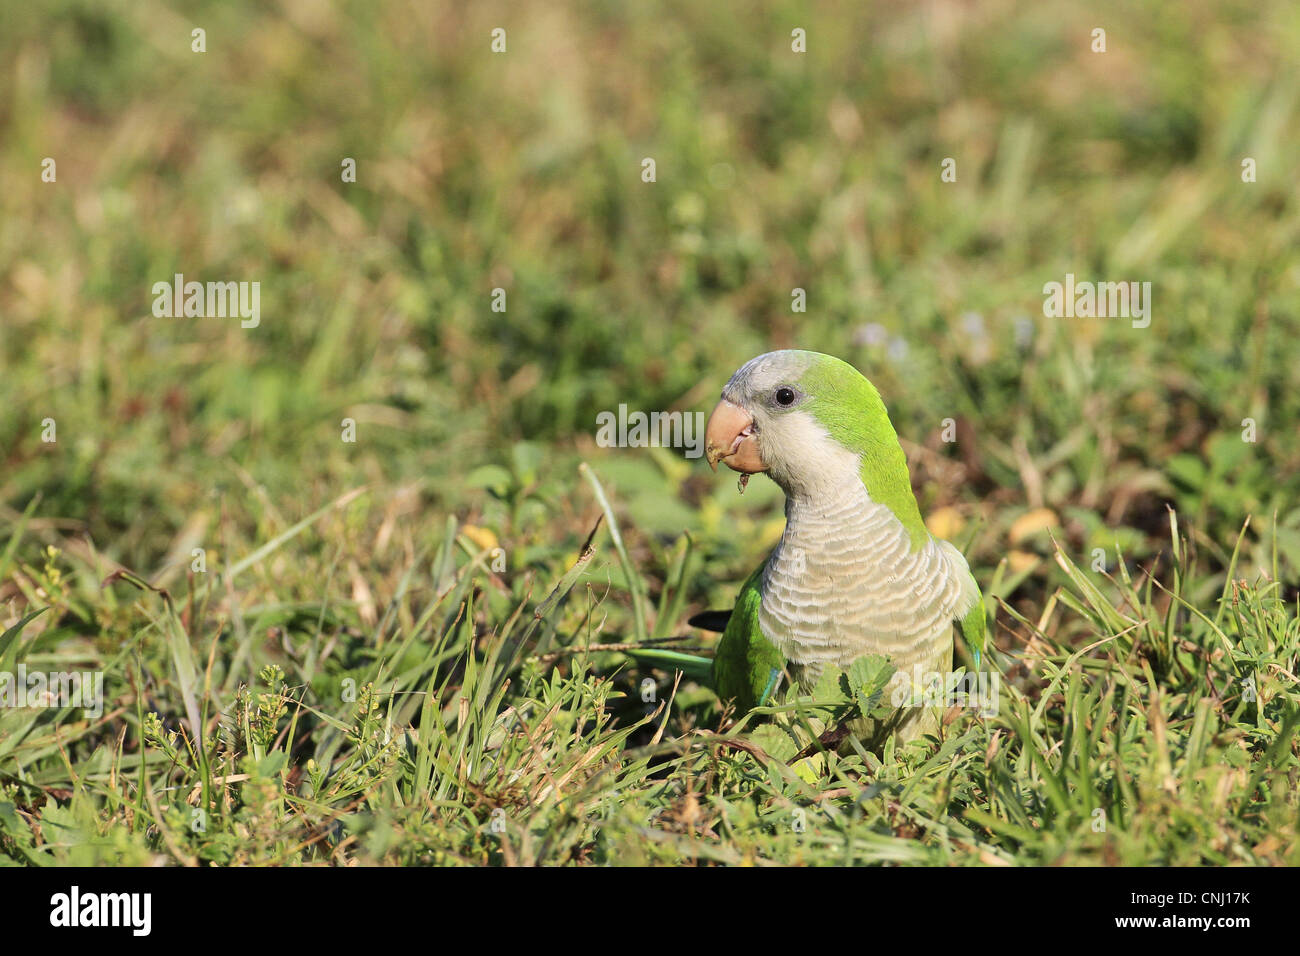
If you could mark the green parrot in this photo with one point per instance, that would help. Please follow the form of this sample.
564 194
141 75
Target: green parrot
856 572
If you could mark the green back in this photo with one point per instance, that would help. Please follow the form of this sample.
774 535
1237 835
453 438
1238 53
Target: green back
743 664
852 412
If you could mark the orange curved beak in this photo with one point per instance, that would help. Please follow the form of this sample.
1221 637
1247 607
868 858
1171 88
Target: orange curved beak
729 438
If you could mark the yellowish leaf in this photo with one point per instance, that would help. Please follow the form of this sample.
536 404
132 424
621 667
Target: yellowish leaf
1031 523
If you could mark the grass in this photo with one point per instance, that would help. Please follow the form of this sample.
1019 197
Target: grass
389 650
435 740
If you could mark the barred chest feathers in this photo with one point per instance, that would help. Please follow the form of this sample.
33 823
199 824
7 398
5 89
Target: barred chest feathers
844 582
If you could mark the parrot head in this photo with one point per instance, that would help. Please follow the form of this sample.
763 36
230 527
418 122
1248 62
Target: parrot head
809 421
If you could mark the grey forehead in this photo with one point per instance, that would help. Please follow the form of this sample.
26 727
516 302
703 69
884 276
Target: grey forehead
763 372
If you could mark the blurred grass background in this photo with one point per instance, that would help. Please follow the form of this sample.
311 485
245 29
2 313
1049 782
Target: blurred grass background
521 170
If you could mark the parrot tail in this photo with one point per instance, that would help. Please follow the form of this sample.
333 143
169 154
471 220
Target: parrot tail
693 666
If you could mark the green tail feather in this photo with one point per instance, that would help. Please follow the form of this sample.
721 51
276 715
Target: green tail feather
692 665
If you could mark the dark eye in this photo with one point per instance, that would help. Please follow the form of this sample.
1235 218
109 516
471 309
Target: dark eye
785 395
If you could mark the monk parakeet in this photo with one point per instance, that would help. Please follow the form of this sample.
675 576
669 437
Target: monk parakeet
856 571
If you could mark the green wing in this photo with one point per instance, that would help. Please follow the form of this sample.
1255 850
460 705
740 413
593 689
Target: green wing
746 664
973 627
